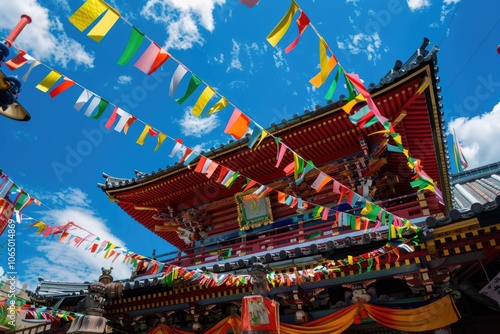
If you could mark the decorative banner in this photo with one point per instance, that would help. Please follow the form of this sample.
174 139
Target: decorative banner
161 57
202 101
302 23
145 62
221 104
176 78
279 31
82 99
134 42
104 25
238 124
67 83
18 61
6 212
259 315
194 82
87 13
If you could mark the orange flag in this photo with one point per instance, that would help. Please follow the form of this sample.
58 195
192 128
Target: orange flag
238 124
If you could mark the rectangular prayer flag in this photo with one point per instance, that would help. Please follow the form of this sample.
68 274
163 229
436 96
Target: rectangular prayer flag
179 73
161 57
349 105
279 31
82 99
67 83
104 25
202 101
92 105
201 164
458 153
146 60
83 17
318 80
194 82
320 181
211 169
218 106
238 124
177 147
133 44
17 61
48 81
32 66
142 137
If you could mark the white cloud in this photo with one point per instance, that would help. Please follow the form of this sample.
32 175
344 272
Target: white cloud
44 38
418 4
219 59
181 19
361 43
279 59
238 84
57 261
478 150
124 79
446 8
197 126
235 58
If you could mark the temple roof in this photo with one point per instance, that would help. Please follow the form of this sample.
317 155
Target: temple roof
325 136
478 186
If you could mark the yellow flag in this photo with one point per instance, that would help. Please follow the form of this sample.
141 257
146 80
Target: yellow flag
104 25
143 135
263 135
279 31
221 104
161 138
48 81
202 101
317 80
323 59
87 13
349 105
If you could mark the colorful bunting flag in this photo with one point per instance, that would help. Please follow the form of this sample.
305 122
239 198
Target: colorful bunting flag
104 25
194 82
67 83
302 23
320 181
179 73
333 85
318 80
82 99
17 61
238 124
83 17
161 57
202 101
460 160
279 31
92 105
28 72
146 60
218 106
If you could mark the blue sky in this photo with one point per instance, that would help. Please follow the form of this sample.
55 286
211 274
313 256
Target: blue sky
59 155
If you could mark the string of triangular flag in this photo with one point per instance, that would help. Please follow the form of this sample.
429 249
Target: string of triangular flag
364 117
365 262
21 199
74 235
41 313
239 122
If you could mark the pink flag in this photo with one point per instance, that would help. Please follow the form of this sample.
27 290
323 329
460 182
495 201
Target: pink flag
147 59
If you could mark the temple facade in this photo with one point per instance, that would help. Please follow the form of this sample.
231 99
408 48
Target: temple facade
372 249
